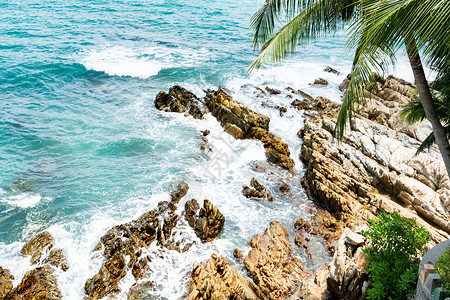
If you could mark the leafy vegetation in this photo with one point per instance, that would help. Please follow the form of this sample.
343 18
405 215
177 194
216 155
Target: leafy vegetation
395 245
443 269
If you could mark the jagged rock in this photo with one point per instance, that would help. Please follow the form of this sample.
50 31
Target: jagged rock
331 70
375 169
277 151
258 191
320 104
272 91
58 259
320 81
343 86
37 245
217 279
180 100
227 111
121 247
345 277
271 265
348 270
37 284
179 192
6 282
284 187
206 132
209 222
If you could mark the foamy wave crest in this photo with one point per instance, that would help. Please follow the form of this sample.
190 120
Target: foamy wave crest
140 62
25 200
121 62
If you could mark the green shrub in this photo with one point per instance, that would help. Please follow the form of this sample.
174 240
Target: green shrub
395 245
443 269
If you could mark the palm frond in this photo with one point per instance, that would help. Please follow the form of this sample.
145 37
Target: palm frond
315 18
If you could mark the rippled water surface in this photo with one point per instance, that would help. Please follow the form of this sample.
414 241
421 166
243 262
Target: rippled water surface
82 147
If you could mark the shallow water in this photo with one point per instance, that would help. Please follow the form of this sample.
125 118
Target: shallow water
83 148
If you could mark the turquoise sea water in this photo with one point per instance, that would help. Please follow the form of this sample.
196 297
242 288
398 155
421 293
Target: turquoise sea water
82 147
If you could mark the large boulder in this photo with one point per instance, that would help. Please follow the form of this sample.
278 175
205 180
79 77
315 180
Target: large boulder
271 265
39 283
229 112
208 223
180 100
217 279
37 245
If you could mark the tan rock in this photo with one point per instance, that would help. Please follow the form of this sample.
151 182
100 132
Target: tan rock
58 259
37 245
217 279
271 265
37 284
6 282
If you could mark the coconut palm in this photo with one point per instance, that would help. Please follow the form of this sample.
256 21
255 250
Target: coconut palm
378 29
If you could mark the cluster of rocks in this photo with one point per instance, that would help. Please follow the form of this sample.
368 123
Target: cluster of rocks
272 270
236 119
122 245
39 283
375 167
257 190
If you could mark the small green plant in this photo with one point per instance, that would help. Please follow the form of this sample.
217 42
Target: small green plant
443 269
395 245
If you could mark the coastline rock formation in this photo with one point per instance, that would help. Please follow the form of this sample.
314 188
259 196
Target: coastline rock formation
217 279
271 265
208 223
274 272
6 282
236 119
375 168
257 190
39 283
345 277
121 245
180 100
37 245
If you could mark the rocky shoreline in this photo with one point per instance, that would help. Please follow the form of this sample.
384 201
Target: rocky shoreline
374 169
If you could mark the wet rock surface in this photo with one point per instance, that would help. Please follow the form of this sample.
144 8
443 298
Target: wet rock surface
37 245
180 100
39 283
257 190
121 246
6 282
208 223
57 258
345 277
236 119
375 168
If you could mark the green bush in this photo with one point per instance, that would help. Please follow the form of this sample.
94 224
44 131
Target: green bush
443 269
395 245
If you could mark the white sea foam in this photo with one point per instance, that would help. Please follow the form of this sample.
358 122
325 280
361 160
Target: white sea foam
121 61
24 200
140 62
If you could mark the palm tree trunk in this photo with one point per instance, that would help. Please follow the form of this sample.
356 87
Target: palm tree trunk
427 101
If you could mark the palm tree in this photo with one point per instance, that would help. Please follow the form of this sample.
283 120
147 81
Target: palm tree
378 29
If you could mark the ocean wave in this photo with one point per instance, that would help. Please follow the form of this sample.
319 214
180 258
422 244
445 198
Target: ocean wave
24 200
141 62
